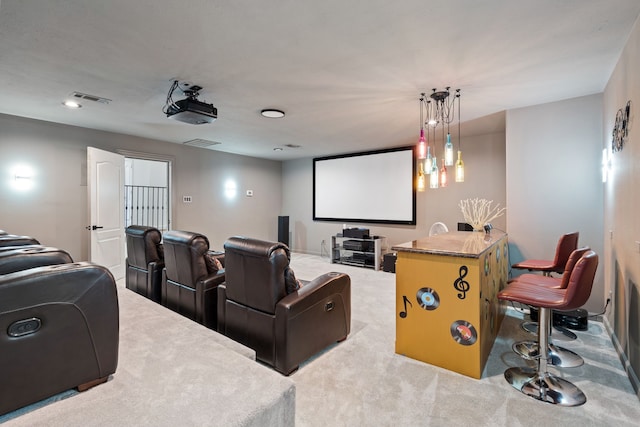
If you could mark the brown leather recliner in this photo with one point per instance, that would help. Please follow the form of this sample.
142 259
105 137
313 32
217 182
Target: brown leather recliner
145 261
188 287
26 257
58 330
283 328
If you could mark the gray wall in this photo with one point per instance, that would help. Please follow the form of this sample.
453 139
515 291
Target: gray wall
484 157
621 207
55 210
554 185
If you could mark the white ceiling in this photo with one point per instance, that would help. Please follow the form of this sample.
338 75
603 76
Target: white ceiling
348 73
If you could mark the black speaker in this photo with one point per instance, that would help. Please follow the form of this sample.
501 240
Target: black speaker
389 262
463 226
283 230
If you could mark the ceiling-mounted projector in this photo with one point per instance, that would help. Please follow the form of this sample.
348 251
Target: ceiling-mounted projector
189 110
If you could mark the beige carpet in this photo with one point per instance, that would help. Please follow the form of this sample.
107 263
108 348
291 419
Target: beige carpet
362 382
359 382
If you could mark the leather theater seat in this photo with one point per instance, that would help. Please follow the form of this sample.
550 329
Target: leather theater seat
25 257
13 240
145 261
285 329
188 285
58 331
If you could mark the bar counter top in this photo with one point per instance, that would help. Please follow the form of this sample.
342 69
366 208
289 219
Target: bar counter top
466 244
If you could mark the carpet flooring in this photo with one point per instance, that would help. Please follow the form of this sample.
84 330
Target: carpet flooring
362 382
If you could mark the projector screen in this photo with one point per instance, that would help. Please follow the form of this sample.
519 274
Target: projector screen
370 187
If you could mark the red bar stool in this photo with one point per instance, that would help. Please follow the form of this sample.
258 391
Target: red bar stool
557 356
540 383
566 244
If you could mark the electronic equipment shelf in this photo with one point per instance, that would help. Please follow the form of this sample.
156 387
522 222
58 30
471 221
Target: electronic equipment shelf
360 252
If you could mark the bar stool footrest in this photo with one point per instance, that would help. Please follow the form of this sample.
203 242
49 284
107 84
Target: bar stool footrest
557 356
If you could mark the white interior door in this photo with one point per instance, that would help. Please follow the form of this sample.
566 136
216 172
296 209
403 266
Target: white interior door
105 171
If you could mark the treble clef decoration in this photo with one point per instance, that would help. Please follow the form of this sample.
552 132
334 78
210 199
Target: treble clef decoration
460 284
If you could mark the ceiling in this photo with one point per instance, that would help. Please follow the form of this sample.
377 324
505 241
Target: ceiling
348 74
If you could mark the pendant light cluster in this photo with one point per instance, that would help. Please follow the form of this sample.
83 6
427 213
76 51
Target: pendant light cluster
438 110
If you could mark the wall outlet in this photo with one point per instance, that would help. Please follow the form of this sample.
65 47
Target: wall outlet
186 199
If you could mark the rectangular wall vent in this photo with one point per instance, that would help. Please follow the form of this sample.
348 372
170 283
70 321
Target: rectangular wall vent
94 98
202 143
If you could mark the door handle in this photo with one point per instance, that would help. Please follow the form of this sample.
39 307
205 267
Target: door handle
93 227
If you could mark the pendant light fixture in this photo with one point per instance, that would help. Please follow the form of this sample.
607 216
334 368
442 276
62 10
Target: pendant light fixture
421 184
433 179
443 174
422 144
459 168
440 107
459 162
448 150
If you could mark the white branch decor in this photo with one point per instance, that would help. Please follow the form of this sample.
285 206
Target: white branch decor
478 212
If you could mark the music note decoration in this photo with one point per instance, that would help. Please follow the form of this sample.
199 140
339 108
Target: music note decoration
405 300
461 285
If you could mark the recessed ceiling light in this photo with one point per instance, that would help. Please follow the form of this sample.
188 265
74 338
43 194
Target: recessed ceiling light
71 104
272 113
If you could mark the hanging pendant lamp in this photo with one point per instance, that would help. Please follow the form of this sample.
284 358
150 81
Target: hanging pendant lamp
440 107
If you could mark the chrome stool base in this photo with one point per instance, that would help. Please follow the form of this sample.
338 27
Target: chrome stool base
545 387
557 356
564 333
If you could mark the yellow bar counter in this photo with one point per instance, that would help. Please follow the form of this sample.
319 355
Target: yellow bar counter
447 311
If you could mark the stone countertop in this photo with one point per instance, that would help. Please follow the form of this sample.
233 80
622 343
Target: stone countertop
467 244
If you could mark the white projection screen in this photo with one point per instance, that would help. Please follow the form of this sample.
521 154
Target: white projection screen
369 187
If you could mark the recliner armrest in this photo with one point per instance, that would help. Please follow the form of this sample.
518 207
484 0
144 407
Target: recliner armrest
211 281
315 291
308 320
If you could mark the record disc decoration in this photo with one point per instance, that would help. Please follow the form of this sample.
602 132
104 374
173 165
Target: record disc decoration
428 298
463 332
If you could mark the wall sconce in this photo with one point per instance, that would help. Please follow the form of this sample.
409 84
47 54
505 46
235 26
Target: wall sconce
22 178
230 189
606 164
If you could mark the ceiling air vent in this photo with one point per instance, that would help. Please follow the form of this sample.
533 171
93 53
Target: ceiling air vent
292 145
80 95
202 143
